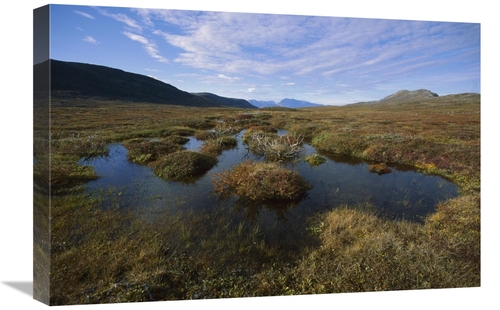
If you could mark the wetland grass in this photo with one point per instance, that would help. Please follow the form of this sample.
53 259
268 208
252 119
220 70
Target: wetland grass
261 182
315 159
146 150
183 164
109 255
361 252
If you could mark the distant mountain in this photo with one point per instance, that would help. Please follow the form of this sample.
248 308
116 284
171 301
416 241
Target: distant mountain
288 103
423 95
224 101
405 95
293 103
88 80
262 104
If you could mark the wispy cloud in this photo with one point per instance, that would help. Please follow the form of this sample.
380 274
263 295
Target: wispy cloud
91 40
130 22
150 47
84 14
312 52
299 45
228 78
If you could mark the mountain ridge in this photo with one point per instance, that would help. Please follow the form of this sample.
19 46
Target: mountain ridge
88 80
286 102
419 95
234 102
403 95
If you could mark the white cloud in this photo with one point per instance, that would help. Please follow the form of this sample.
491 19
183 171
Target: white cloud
130 22
360 52
136 37
84 14
228 78
150 48
91 40
269 44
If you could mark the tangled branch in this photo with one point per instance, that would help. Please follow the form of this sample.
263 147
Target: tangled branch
282 147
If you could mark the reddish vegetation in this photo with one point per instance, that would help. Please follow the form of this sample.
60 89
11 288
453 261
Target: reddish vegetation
261 181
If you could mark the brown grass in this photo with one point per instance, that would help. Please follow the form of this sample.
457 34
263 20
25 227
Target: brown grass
100 256
183 164
360 252
261 181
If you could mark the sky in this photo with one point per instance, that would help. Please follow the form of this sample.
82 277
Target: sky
320 59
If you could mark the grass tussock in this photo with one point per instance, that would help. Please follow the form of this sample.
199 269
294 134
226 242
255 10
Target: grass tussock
261 181
214 147
219 138
62 174
183 164
315 159
145 150
82 145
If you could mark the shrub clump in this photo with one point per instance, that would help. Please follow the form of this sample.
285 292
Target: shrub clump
272 146
261 182
183 164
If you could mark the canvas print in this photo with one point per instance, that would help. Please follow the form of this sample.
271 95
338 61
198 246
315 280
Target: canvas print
186 155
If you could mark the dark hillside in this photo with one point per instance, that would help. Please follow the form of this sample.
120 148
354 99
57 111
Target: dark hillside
224 101
87 80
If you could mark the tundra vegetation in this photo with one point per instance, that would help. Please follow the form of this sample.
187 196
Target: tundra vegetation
261 182
104 255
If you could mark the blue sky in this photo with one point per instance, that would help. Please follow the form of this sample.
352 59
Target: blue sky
326 60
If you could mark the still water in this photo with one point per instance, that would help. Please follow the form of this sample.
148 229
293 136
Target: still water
401 194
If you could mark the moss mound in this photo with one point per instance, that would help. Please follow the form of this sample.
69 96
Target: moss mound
145 150
183 164
261 182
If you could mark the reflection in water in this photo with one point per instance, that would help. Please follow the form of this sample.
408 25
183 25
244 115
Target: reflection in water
401 194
